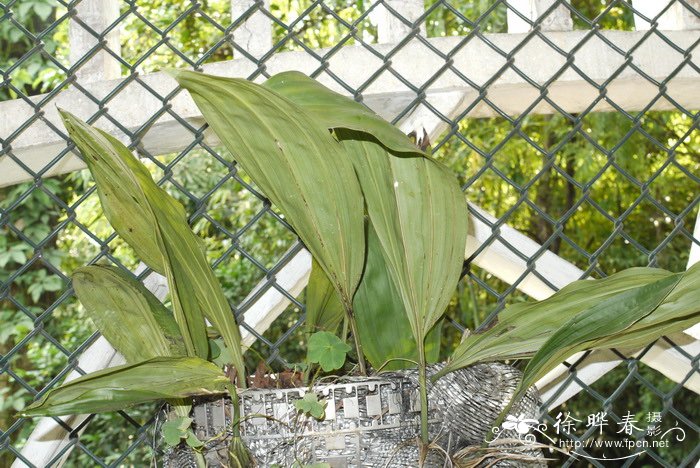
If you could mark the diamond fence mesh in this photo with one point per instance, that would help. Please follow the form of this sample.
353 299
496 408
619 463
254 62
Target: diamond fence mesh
570 124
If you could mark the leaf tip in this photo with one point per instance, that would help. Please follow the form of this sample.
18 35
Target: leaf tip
173 72
180 75
80 274
32 410
68 119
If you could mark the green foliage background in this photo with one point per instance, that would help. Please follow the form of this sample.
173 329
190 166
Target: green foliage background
76 231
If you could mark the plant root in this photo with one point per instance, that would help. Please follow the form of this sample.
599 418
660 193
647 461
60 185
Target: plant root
501 450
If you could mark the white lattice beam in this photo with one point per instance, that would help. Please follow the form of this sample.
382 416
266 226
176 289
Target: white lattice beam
133 106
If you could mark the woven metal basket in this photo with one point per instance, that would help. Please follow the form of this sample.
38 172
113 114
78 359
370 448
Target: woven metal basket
369 422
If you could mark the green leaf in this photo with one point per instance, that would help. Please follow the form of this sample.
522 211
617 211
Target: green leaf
420 216
238 454
119 178
214 349
175 430
17 255
310 405
327 350
338 111
379 312
602 319
127 314
381 317
630 308
184 423
297 164
120 387
679 311
171 434
431 196
523 328
192 440
324 311
23 8
225 356
155 225
43 10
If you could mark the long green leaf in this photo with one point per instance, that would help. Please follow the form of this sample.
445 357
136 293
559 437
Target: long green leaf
161 236
381 317
603 319
126 313
523 328
297 164
126 191
375 305
119 178
420 216
324 310
120 387
337 111
629 309
679 311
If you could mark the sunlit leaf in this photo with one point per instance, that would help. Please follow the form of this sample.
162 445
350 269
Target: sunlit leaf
119 178
434 192
120 387
310 405
601 320
171 434
679 311
521 329
420 216
175 430
631 308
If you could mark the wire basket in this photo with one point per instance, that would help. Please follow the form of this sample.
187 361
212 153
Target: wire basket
369 422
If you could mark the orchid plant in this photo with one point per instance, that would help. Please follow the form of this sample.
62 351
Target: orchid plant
386 224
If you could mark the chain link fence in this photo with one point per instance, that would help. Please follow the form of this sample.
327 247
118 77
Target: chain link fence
572 126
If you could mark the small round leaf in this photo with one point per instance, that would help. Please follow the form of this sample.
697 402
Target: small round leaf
327 350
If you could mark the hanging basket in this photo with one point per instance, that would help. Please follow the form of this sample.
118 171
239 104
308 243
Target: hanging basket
369 422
